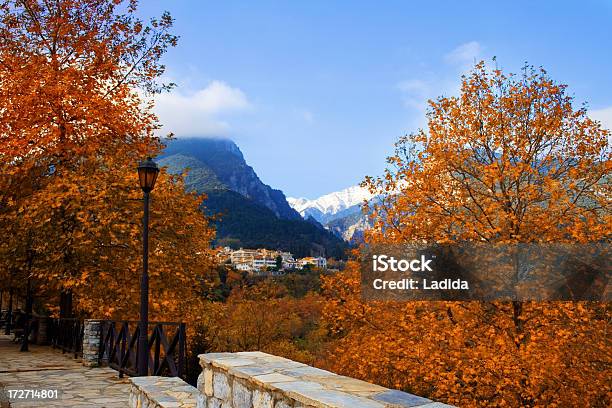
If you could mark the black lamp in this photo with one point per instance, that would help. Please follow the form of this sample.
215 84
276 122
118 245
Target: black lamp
147 174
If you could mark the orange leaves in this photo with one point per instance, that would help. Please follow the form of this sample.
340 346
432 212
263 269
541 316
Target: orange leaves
262 317
76 93
72 128
481 360
509 160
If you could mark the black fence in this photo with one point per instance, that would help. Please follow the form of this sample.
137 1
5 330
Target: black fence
166 348
67 334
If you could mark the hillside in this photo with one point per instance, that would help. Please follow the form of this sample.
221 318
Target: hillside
223 159
251 213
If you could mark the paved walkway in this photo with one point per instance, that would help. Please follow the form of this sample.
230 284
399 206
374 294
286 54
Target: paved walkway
45 368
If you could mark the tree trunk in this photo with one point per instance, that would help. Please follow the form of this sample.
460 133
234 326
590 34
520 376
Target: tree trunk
65 304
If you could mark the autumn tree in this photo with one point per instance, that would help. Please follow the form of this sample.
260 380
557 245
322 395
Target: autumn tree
76 80
264 316
101 244
510 160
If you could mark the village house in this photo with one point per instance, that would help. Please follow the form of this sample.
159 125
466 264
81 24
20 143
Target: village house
257 261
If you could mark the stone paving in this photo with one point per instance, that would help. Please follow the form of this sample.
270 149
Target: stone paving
45 368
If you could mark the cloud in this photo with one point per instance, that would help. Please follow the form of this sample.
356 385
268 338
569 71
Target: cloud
603 115
202 112
304 114
465 54
415 93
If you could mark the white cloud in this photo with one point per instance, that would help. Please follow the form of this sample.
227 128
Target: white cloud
603 115
304 114
200 112
465 55
415 93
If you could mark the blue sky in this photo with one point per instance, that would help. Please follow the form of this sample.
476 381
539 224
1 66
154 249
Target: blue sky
316 92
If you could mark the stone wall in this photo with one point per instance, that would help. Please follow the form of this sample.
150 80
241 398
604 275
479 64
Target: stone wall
161 392
260 380
91 342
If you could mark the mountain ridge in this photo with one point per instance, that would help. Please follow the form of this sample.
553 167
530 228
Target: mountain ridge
340 212
249 213
334 202
230 169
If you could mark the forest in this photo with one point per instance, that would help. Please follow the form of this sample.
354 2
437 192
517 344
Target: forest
510 159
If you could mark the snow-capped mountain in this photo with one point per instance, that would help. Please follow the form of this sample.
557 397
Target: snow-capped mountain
340 212
332 203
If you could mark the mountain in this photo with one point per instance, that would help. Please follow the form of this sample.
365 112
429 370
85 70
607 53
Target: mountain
332 203
339 212
223 159
251 213
350 228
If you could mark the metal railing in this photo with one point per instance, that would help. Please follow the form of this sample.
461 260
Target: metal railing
67 335
166 347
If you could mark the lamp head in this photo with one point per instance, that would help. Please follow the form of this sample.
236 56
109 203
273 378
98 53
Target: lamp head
147 174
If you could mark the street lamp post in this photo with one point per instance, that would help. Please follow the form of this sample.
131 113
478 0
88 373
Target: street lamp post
147 175
28 314
9 317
